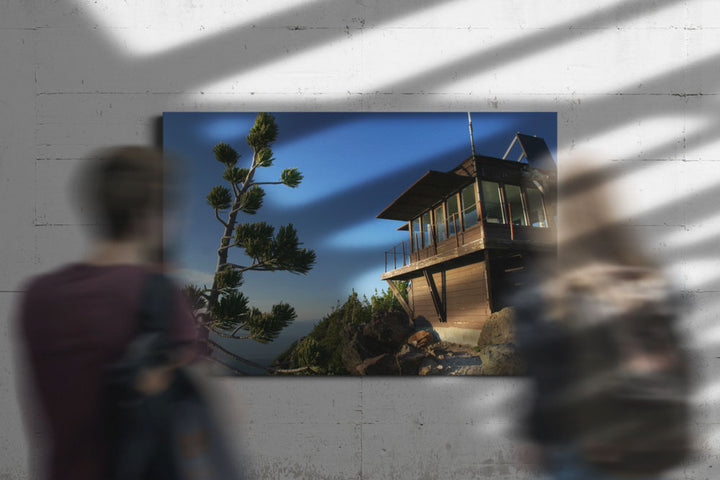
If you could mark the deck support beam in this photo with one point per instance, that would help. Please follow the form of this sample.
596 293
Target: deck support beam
400 299
439 307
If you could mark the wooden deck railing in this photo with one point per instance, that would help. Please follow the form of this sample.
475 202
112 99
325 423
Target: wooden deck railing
391 256
405 253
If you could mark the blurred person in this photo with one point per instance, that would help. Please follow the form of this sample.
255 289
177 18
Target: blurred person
79 319
596 327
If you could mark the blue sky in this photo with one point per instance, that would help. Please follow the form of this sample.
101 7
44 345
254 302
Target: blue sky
355 164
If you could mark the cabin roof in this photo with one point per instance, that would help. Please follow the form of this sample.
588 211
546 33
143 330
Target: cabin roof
423 194
536 152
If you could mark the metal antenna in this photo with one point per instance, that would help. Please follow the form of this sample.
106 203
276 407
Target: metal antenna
472 141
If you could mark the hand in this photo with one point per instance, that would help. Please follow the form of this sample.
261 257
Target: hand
154 380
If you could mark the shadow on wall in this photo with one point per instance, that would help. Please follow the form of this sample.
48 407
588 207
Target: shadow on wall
217 57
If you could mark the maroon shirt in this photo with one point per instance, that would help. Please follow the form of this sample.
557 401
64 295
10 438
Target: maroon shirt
74 322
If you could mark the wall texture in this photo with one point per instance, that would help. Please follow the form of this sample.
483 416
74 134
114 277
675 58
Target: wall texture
635 82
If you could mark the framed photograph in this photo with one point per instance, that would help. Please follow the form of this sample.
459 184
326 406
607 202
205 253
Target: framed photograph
359 243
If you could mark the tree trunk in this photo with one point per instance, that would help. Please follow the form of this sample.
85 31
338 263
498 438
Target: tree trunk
227 236
223 254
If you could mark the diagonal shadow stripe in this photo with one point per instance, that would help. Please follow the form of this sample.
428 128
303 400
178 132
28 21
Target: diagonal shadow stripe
546 38
241 49
358 203
605 117
524 46
249 46
701 204
599 176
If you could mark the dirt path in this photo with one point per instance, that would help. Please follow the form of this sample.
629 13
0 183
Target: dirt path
451 359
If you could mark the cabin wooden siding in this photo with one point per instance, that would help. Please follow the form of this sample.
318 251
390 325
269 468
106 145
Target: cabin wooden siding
502 231
463 292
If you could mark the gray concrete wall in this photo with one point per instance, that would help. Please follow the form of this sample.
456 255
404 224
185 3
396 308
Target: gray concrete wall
635 82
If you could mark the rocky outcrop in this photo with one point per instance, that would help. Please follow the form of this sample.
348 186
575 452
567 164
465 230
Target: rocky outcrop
385 364
497 345
368 348
430 366
409 359
387 346
501 360
354 348
421 339
498 329
388 330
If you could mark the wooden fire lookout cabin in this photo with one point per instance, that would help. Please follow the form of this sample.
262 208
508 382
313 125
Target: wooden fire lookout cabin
470 235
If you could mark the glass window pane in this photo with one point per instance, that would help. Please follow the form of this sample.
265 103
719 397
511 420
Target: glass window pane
492 202
427 229
453 215
440 223
514 199
536 212
415 234
469 206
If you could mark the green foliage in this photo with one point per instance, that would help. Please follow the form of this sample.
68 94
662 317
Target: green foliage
265 157
263 132
287 252
279 252
322 347
309 352
265 327
235 175
224 153
219 198
256 238
291 177
252 200
289 356
195 297
385 301
228 279
229 309
324 343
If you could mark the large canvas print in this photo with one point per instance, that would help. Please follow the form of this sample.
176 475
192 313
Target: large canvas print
360 243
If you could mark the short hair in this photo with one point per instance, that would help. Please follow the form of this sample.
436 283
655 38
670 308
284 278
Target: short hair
121 185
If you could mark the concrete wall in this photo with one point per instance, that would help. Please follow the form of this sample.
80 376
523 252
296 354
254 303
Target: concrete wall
637 82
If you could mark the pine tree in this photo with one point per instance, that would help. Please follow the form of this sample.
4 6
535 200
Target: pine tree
228 313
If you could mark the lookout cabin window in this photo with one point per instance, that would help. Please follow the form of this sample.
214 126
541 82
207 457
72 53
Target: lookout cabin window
415 233
492 201
453 215
536 212
513 196
427 229
440 223
469 205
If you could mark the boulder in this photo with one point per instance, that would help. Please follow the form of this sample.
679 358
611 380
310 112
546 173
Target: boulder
384 364
406 349
421 339
468 370
429 367
387 329
499 329
501 360
409 360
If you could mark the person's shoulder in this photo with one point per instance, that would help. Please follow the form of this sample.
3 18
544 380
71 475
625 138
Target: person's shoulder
63 276
42 281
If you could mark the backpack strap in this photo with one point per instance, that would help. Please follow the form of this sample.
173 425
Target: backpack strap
153 309
152 343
